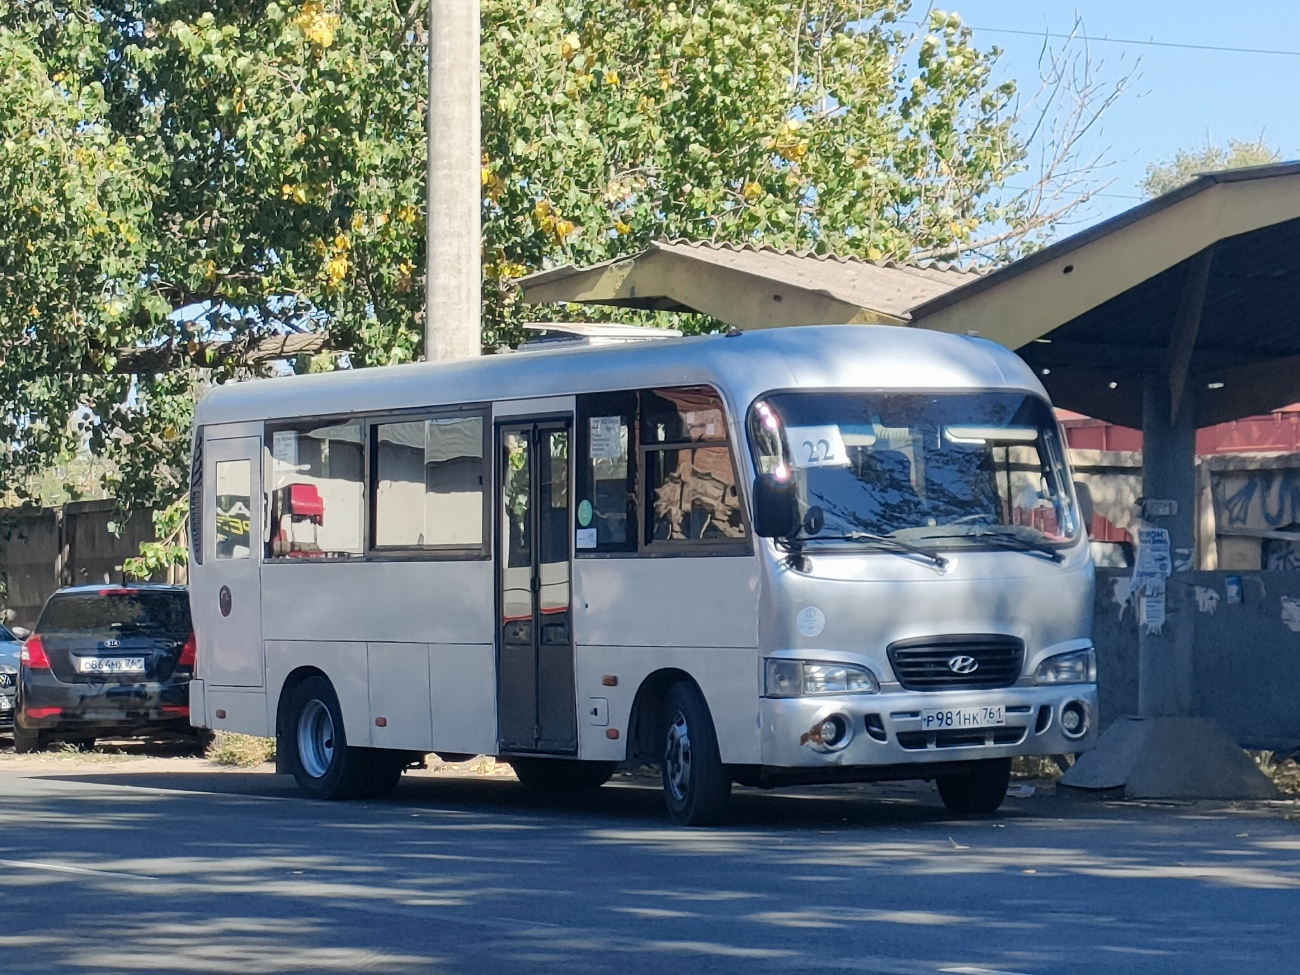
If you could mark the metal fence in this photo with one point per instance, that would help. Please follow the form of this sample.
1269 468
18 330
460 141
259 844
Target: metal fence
42 549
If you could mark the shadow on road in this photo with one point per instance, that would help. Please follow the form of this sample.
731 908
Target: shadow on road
215 871
637 800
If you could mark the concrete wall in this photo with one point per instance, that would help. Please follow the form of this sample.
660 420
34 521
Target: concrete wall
42 549
1247 656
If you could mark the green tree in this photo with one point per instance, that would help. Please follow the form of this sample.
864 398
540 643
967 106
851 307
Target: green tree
180 179
1188 163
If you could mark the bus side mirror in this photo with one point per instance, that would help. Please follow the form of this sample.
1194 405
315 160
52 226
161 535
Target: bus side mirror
776 513
1084 494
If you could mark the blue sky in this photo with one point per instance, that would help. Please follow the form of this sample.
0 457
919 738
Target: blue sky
1181 96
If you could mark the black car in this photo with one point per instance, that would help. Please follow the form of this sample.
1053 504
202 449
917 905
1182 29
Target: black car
107 661
10 648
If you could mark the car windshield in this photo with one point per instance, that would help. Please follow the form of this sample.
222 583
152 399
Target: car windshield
982 469
111 614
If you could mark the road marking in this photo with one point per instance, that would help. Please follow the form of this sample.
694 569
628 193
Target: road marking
68 868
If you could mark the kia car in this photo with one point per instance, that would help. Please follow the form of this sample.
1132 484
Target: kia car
107 661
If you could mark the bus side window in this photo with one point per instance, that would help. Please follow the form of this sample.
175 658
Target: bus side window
428 483
316 483
690 481
605 512
234 497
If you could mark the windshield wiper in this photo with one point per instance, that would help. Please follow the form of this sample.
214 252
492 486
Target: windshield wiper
896 545
1017 544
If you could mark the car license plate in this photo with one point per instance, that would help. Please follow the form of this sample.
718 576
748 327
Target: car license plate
989 715
110 665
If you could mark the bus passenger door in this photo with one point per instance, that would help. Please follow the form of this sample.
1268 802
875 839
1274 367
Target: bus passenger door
536 708
228 604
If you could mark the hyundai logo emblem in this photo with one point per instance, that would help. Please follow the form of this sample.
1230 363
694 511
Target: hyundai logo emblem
963 664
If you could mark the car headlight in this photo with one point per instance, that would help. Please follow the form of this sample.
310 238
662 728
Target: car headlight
802 678
1075 667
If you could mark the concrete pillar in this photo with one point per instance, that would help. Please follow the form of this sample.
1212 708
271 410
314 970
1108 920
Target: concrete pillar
1169 474
453 282
1165 752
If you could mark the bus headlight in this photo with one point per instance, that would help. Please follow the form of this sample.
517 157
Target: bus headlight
1075 667
803 678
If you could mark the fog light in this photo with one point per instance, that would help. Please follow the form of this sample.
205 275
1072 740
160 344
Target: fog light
834 731
1074 719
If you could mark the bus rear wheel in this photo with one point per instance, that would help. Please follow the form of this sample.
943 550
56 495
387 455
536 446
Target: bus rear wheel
321 760
697 786
979 791
558 776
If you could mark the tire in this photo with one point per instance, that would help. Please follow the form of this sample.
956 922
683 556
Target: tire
557 776
978 792
26 741
697 786
201 741
383 772
321 760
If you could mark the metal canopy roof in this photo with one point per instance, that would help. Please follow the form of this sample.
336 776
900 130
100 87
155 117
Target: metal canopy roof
1199 286
749 287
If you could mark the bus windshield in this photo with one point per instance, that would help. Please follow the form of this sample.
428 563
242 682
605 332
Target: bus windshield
978 469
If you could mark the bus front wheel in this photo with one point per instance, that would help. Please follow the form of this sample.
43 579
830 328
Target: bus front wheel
980 790
323 763
697 786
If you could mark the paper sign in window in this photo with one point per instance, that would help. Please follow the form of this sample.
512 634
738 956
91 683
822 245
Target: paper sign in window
284 447
817 446
606 437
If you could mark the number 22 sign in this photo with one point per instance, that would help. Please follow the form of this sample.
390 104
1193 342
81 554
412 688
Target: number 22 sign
818 446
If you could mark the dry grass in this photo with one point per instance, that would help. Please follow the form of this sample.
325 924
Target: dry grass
1035 767
241 750
1284 772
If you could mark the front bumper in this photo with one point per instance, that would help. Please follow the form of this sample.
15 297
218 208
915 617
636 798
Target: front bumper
885 729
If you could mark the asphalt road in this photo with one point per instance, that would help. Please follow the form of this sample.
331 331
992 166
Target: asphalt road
116 869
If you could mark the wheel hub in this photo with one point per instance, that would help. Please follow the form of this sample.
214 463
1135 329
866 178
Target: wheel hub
677 757
315 739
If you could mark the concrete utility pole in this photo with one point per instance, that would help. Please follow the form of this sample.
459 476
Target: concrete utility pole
453 278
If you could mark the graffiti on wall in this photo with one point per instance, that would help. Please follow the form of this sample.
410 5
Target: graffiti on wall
1262 500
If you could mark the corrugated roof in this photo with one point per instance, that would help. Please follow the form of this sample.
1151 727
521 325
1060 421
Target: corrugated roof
886 289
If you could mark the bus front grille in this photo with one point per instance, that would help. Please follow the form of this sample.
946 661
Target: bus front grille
953 663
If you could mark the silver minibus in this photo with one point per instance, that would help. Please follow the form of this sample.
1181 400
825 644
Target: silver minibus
803 555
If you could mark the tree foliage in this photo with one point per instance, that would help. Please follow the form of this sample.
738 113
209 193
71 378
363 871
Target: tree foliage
174 171
1187 164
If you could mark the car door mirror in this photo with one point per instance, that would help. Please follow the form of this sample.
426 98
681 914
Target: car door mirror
776 510
21 632
1084 494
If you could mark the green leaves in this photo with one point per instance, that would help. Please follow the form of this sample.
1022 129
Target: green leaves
172 171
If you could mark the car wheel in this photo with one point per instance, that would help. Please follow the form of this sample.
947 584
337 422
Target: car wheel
980 790
697 786
558 776
321 760
29 741
201 741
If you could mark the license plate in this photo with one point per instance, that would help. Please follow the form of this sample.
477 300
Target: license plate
990 715
110 665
